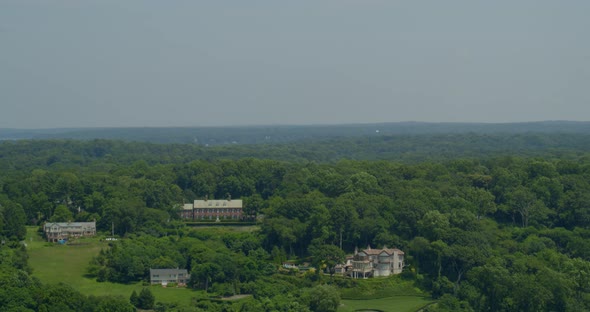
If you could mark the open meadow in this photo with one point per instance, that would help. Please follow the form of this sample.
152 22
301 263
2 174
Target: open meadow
53 263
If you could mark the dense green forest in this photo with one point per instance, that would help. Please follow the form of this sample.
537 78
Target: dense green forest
489 222
19 155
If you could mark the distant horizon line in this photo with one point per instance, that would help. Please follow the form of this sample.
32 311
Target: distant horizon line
302 125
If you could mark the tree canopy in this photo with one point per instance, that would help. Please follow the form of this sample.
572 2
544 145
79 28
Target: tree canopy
504 232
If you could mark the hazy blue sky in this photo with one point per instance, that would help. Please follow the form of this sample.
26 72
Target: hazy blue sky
201 63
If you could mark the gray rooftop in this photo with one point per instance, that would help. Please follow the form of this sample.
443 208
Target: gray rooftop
218 203
167 271
71 224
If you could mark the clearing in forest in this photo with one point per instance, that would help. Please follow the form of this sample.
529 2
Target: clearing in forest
53 263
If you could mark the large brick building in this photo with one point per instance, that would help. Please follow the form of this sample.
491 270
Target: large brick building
203 209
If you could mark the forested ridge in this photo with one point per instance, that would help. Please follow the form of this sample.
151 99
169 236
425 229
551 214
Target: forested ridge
414 148
488 222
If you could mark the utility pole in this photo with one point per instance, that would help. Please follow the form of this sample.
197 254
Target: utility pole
340 238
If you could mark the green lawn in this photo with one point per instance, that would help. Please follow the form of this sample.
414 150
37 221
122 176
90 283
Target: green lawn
391 304
54 263
391 293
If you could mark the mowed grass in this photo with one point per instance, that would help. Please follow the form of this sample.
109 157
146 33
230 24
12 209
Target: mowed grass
54 263
390 304
387 294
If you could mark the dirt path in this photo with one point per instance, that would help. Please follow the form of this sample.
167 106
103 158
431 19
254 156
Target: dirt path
236 297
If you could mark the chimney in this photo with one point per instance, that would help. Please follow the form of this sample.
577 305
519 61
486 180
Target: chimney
228 197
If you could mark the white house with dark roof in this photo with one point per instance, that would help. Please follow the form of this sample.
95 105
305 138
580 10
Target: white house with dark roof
377 262
166 276
55 231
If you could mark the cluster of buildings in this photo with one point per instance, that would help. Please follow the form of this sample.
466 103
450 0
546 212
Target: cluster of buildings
214 210
363 264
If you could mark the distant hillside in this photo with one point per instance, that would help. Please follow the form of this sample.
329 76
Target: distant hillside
210 136
413 148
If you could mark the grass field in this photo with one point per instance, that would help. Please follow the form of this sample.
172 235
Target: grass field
391 304
392 293
54 263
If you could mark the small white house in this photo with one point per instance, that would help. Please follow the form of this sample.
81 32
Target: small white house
165 276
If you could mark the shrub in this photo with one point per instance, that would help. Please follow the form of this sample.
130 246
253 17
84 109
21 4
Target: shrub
223 289
146 299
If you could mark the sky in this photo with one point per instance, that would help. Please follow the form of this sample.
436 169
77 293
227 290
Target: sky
70 63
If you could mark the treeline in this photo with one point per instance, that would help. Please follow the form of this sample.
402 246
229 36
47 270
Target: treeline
221 263
56 154
511 190
224 263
